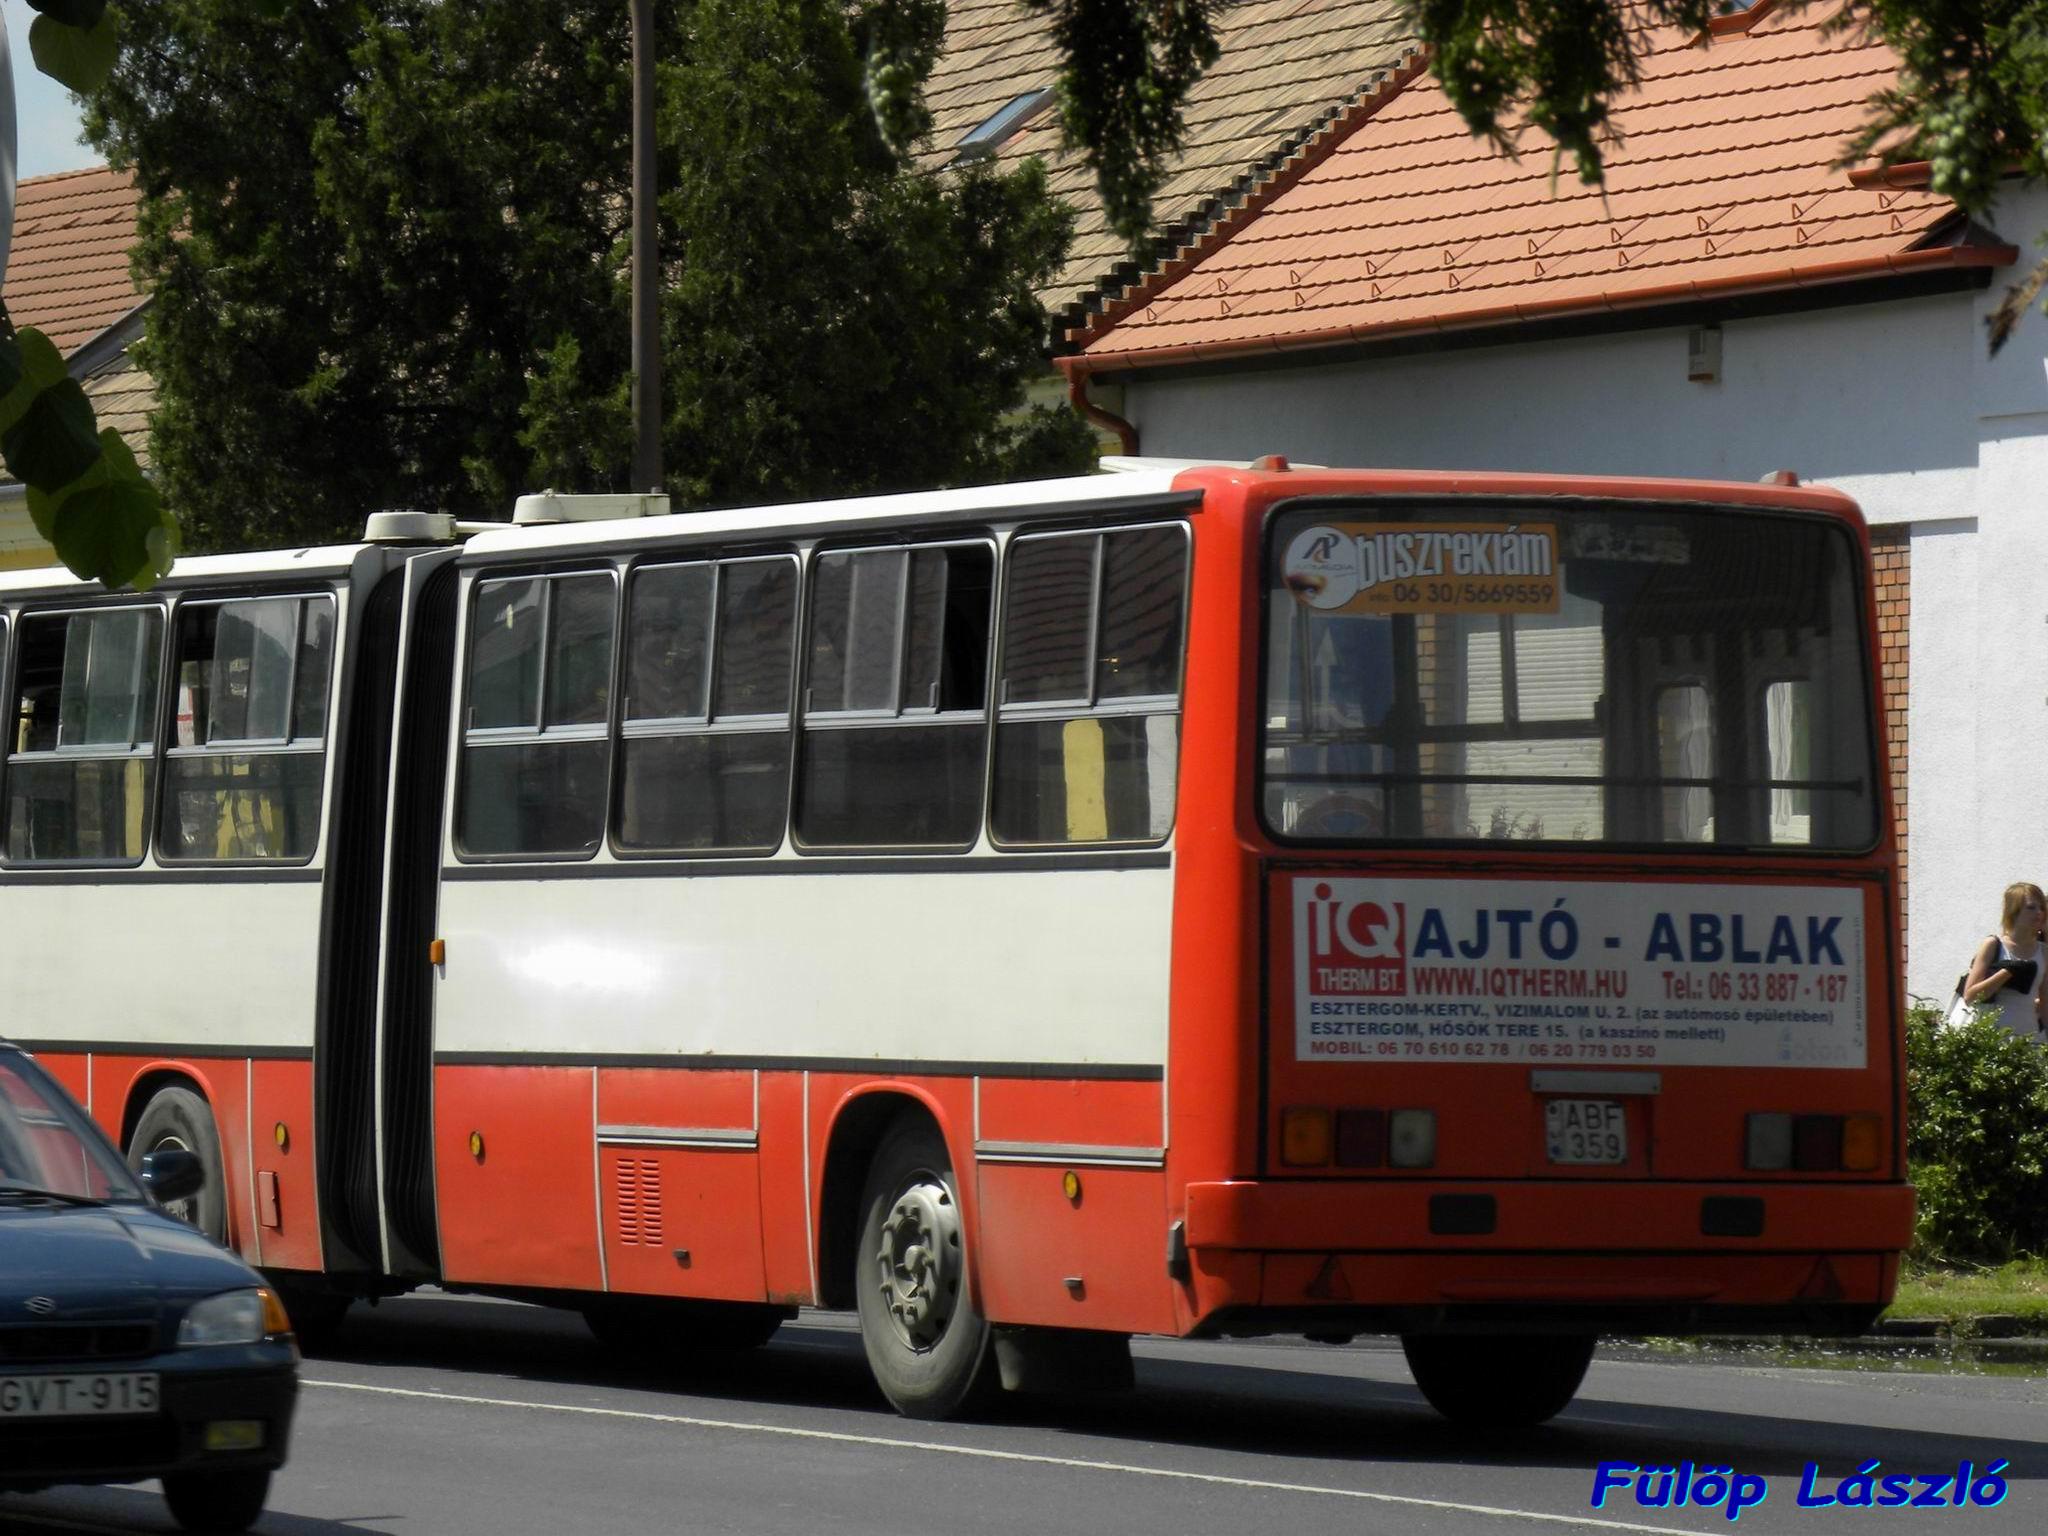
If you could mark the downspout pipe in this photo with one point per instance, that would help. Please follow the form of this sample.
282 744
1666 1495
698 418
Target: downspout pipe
1109 421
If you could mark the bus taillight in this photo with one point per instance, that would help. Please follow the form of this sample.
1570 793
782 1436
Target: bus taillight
1813 1143
1314 1137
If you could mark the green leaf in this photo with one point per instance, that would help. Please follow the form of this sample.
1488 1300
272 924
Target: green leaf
110 524
29 365
73 13
271 10
54 441
104 534
80 58
44 501
12 371
40 358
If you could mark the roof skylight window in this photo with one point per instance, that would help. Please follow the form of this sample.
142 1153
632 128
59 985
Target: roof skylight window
1732 17
992 132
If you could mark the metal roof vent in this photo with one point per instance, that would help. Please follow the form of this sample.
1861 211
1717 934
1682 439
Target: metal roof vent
409 527
553 507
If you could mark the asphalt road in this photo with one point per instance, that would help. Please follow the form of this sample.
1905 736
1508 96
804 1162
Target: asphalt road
438 1416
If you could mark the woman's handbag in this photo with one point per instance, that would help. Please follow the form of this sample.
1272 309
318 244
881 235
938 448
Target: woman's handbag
1961 1010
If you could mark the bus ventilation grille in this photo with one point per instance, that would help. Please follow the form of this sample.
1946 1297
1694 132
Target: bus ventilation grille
637 1184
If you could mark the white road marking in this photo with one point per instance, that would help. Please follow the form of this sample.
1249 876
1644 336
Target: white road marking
688 1421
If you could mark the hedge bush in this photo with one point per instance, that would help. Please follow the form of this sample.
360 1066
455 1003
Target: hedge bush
1976 1140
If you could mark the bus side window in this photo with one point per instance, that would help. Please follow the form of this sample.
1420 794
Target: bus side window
246 760
1088 731
80 775
536 750
896 698
704 759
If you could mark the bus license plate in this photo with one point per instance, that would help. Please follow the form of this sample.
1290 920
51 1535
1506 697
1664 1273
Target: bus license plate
79 1396
1586 1130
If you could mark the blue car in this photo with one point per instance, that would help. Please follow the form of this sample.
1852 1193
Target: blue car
130 1345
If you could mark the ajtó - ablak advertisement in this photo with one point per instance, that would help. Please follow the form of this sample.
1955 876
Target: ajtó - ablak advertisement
1578 971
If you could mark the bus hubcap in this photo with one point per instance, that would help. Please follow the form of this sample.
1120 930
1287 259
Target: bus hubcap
920 1263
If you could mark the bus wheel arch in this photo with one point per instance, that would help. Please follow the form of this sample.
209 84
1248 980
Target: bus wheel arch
171 1109
856 1134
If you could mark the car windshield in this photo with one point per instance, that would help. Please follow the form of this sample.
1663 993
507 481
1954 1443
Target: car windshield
48 1147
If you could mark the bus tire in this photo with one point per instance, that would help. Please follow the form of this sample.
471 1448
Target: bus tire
217 1501
1486 1381
927 1343
178 1119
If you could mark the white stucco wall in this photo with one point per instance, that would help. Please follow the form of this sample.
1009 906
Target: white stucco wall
1896 403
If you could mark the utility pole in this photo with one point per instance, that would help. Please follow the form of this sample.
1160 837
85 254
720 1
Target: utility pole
646 308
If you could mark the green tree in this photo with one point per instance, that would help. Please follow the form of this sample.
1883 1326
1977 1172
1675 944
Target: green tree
85 492
851 328
385 240
360 224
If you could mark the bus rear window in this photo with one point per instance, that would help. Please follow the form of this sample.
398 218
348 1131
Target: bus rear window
1649 676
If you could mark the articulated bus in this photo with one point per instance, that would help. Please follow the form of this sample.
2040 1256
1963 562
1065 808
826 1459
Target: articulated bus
1194 901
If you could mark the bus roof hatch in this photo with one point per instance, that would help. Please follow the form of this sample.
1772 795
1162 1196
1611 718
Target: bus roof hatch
553 507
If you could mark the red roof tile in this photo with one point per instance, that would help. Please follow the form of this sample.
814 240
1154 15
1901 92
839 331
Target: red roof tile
67 273
1722 178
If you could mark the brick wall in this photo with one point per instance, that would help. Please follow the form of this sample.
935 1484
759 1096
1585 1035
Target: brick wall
1891 553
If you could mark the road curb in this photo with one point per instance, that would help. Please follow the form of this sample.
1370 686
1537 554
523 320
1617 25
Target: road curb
1926 1340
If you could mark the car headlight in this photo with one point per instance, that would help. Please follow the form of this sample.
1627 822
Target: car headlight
233 1317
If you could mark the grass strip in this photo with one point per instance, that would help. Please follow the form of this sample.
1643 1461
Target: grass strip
1961 1298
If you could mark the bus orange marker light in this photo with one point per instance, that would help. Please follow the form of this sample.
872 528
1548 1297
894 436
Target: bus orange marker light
437 952
476 1145
1411 1138
1862 1141
1070 1186
281 1136
1305 1140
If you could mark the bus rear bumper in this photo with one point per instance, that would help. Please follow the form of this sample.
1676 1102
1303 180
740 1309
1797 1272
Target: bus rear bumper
1328 1257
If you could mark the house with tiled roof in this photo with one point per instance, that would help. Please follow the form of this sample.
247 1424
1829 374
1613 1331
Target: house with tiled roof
1287 69
67 275
1734 302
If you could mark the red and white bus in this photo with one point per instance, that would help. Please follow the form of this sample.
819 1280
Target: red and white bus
1209 901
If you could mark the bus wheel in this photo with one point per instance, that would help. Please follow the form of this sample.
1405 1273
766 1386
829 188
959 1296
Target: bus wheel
927 1344
1498 1382
177 1119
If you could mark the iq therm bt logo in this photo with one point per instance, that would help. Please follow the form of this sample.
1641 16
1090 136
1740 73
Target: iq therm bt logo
1355 941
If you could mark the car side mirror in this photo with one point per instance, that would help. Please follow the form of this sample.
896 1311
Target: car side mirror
172 1174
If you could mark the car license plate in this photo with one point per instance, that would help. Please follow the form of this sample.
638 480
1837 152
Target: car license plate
1586 1130
76 1396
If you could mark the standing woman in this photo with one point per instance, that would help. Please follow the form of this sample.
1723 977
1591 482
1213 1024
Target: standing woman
2006 976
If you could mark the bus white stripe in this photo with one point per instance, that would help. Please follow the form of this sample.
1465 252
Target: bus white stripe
691 1421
